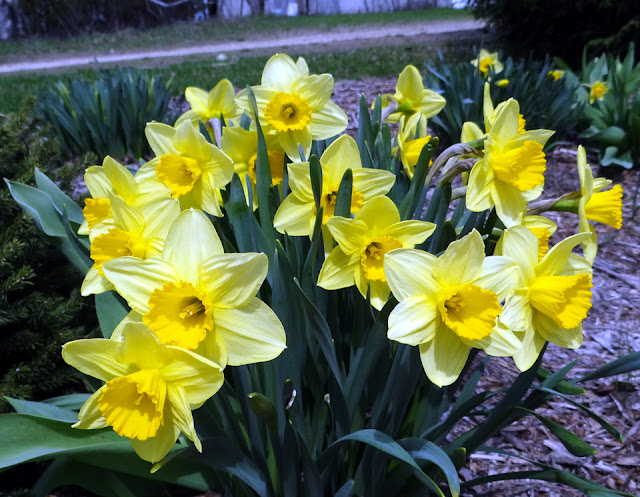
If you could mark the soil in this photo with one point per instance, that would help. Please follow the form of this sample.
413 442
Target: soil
611 330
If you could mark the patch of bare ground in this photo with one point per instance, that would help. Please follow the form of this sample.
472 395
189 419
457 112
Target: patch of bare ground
611 330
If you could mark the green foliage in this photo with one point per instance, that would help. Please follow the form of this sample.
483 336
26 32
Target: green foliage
40 307
614 120
544 102
542 27
108 116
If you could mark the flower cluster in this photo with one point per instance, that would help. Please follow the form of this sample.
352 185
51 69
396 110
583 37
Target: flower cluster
194 308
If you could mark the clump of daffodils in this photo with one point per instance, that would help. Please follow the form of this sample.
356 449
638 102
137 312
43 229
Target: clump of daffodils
155 239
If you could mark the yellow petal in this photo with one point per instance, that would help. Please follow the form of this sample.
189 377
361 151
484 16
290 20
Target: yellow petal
410 233
378 214
461 262
160 137
409 272
479 189
155 449
199 377
280 72
231 280
315 89
444 357
468 310
329 121
94 357
565 299
372 182
606 207
414 320
338 270
252 333
349 233
379 291
294 216
90 417
181 414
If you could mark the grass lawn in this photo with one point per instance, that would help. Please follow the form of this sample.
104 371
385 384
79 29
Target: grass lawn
243 71
187 34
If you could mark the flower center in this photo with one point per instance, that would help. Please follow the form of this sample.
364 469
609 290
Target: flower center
565 299
468 310
606 207
522 167
95 210
133 405
116 243
179 315
328 203
372 256
276 164
288 111
178 173
485 64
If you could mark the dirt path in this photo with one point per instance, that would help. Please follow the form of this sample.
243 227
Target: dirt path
298 39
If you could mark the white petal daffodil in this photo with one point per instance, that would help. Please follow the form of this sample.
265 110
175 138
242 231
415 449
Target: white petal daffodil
199 298
294 106
450 304
150 388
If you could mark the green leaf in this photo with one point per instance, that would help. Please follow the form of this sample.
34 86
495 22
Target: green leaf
111 310
28 438
43 410
345 490
573 443
428 451
386 444
343 198
626 364
61 200
72 401
414 196
315 173
264 409
39 205
221 454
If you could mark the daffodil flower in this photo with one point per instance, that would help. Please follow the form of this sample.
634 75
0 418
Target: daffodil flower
512 169
597 91
150 388
191 168
363 243
198 298
137 232
410 147
220 101
413 98
486 61
552 296
294 106
112 178
556 74
297 213
241 146
450 304
503 83
596 205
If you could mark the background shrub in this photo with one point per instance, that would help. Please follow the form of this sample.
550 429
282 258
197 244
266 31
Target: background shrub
561 27
40 306
107 116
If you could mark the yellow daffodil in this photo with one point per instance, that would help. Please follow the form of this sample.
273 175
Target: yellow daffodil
512 169
486 61
597 91
556 74
220 101
188 165
449 304
363 243
112 178
137 232
410 147
294 106
503 83
241 146
297 213
150 389
198 298
413 97
596 205
552 296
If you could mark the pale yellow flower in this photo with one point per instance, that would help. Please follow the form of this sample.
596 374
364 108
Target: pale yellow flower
219 102
410 147
363 243
486 61
294 106
597 91
556 74
150 389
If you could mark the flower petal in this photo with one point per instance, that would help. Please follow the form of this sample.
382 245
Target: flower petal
329 121
408 272
289 141
349 233
549 330
379 293
294 216
231 280
95 357
378 213
315 89
478 196
462 261
509 202
182 415
156 448
160 137
252 333
444 357
199 377
372 182
414 320
90 416
410 233
279 73
338 270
